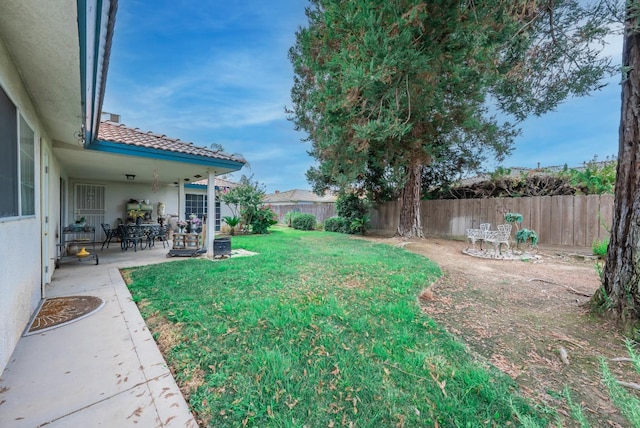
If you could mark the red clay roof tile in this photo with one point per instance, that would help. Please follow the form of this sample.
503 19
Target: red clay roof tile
119 133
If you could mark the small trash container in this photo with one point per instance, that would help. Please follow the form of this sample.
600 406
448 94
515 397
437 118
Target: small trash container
222 246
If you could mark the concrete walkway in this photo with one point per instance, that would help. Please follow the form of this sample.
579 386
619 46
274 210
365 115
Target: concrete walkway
102 371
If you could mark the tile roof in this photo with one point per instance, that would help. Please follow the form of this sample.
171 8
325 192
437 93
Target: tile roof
119 133
297 195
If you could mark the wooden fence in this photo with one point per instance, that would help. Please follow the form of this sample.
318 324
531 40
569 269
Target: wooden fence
321 211
559 220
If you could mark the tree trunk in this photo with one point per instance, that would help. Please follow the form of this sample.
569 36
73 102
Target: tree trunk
619 293
410 225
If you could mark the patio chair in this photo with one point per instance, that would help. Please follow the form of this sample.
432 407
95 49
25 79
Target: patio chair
131 236
159 234
499 238
474 235
163 235
484 227
109 234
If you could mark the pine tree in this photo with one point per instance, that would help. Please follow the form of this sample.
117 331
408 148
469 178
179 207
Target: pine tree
387 88
620 291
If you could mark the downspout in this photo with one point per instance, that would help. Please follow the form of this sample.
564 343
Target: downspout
211 214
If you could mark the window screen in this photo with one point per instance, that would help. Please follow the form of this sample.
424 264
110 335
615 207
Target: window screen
9 158
27 169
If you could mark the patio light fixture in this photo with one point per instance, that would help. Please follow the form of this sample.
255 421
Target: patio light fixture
130 177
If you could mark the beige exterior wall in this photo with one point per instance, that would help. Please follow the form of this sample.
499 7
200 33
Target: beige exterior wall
22 245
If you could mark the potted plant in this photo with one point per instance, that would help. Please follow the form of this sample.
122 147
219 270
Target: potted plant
522 235
136 215
194 223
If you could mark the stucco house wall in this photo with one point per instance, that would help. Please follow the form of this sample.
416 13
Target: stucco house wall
20 253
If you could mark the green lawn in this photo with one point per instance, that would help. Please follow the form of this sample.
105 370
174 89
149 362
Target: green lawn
317 330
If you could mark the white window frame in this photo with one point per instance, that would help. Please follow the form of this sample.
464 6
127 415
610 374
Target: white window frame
24 181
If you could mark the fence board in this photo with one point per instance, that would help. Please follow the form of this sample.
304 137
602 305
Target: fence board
440 216
536 215
468 209
555 227
454 220
544 234
428 215
579 221
567 222
476 214
493 206
592 228
605 218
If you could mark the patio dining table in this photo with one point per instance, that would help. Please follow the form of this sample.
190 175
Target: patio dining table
144 234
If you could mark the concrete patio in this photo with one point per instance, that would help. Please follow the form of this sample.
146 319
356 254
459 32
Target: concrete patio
101 371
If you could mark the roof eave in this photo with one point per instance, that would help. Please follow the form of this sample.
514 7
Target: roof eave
96 21
164 155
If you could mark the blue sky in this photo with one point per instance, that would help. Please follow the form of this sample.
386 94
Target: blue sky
217 72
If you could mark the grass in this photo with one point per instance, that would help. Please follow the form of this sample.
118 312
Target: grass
318 329
628 403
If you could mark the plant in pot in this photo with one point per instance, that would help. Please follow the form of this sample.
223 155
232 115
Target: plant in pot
194 223
136 216
528 236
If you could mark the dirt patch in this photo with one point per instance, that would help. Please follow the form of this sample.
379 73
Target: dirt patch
529 319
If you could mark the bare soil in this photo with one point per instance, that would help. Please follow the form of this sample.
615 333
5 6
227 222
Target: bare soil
523 316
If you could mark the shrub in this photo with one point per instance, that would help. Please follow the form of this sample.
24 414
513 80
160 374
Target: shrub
599 247
527 235
350 206
263 219
513 217
336 224
360 224
245 197
232 221
355 212
304 222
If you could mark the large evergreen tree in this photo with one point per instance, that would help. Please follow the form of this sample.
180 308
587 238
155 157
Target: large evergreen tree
388 88
620 292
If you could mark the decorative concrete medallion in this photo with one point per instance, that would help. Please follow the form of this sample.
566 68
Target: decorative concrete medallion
60 311
504 255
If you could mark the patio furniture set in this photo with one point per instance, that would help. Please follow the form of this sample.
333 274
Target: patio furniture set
132 235
498 237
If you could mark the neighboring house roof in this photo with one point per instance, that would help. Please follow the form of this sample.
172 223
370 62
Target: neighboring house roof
296 195
220 183
119 133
